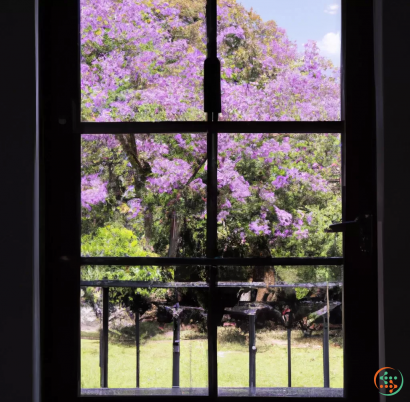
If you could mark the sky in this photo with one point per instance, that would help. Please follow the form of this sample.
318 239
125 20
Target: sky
304 20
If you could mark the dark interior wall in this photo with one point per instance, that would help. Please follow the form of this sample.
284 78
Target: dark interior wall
18 155
17 161
393 60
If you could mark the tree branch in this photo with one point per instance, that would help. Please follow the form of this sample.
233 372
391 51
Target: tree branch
196 172
131 151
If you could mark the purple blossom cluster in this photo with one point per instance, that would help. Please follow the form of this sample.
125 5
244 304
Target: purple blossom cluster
128 49
228 176
222 215
135 207
168 175
197 185
93 191
284 218
260 226
135 67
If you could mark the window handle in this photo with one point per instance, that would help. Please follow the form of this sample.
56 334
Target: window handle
361 226
338 227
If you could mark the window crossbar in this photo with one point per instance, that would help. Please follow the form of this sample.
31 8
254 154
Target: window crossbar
172 127
219 262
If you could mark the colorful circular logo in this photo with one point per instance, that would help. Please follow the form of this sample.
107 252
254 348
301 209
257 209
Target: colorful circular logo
388 381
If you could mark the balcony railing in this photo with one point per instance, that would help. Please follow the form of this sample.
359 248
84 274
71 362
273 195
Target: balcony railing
249 311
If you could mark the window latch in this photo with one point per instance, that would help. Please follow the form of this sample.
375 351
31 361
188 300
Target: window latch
338 227
361 226
212 85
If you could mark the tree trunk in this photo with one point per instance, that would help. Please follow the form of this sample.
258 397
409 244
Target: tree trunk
141 171
267 275
113 182
148 227
174 235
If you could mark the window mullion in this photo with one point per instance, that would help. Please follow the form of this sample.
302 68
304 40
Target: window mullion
211 224
212 106
211 20
211 250
212 66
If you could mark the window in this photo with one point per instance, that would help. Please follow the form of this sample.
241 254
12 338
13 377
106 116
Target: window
194 160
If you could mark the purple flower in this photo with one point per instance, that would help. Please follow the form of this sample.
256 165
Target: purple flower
285 218
280 181
197 185
301 234
222 215
267 196
93 191
135 207
226 204
259 227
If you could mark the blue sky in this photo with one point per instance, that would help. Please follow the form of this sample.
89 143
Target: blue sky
319 20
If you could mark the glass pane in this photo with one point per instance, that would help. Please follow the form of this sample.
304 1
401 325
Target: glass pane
157 332
280 59
278 194
143 195
142 60
269 314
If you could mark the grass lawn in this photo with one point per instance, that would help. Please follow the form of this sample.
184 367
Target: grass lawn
233 362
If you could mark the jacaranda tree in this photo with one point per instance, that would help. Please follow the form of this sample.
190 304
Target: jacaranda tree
142 60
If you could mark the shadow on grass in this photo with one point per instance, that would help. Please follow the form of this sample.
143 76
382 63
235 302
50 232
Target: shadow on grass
154 331
149 331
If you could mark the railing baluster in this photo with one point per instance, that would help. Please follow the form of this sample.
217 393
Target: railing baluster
104 365
212 325
101 354
137 344
252 352
289 357
326 351
176 355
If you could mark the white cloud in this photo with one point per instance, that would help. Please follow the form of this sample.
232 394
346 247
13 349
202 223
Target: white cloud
330 43
332 9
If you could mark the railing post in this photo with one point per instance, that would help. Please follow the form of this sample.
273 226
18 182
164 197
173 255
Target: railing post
137 344
104 342
101 353
289 357
176 355
252 352
326 351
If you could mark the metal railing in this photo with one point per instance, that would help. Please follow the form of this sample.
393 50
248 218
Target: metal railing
176 342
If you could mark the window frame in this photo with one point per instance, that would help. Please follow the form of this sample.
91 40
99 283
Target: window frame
61 131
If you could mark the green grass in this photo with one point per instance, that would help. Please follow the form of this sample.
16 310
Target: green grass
155 364
271 368
233 361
